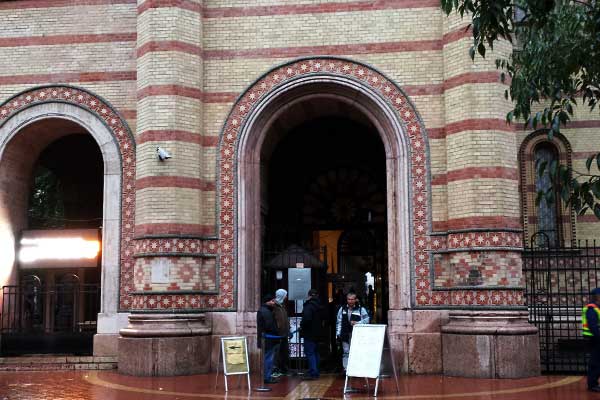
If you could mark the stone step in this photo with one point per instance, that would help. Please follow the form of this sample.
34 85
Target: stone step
56 363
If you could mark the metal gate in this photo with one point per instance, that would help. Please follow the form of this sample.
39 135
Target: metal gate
48 319
558 281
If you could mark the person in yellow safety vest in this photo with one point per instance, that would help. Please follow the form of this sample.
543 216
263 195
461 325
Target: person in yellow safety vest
590 318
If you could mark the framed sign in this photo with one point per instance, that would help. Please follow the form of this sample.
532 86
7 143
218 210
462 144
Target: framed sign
298 283
235 355
366 349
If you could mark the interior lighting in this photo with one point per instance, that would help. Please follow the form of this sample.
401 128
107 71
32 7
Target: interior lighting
57 249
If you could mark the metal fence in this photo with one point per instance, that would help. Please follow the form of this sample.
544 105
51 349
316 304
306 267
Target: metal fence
57 318
558 281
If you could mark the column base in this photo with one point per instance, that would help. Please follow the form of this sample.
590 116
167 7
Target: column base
490 344
165 345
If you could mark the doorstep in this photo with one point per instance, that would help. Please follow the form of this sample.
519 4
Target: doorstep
56 363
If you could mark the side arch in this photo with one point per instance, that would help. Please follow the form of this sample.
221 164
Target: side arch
114 138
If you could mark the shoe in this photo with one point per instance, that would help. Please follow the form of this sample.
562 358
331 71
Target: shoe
594 389
271 381
276 374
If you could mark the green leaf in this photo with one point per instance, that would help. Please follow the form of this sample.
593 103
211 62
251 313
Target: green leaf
597 210
481 49
588 162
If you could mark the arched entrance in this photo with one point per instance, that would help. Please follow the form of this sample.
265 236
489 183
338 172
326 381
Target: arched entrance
29 124
323 207
400 130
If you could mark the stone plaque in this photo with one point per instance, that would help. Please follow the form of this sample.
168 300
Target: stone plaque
160 270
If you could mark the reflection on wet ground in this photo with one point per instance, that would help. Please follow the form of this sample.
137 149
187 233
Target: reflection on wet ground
109 385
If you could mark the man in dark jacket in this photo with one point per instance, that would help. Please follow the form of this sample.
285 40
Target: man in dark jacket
590 320
267 333
283 329
312 328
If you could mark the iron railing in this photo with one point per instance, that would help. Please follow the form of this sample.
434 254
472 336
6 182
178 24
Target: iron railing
57 318
558 281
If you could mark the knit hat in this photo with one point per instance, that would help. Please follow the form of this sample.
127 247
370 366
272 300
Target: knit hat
268 297
280 295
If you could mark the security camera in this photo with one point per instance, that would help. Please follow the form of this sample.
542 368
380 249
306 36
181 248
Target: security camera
162 154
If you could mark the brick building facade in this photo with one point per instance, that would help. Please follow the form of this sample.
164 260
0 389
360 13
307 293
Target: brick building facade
214 82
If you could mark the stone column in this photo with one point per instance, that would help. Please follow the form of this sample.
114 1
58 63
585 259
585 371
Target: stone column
481 262
169 115
172 256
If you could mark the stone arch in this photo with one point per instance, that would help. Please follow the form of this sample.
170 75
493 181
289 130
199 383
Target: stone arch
405 141
117 146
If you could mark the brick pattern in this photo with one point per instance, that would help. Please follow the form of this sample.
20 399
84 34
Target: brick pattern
185 274
485 268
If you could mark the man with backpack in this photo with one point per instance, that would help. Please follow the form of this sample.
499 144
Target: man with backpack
349 315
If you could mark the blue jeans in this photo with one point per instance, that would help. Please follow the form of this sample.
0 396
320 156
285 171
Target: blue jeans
269 350
312 356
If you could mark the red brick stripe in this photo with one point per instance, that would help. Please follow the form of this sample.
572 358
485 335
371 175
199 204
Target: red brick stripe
219 97
439 180
487 222
17 5
178 136
458 34
169 45
166 228
472 77
174 182
436 133
589 218
184 91
476 173
581 124
424 90
483 173
183 4
584 155
128 114
455 81
482 124
169 90
286 9
51 40
342 49
67 77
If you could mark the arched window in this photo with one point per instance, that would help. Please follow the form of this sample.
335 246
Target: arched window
547 212
547 224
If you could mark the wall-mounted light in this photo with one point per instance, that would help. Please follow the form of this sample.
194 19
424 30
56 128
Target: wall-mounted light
279 275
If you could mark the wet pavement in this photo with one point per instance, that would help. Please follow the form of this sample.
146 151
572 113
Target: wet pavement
109 385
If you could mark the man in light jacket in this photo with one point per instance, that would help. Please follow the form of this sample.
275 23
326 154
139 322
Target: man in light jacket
349 315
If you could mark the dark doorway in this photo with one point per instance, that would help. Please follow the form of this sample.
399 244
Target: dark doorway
324 192
54 306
